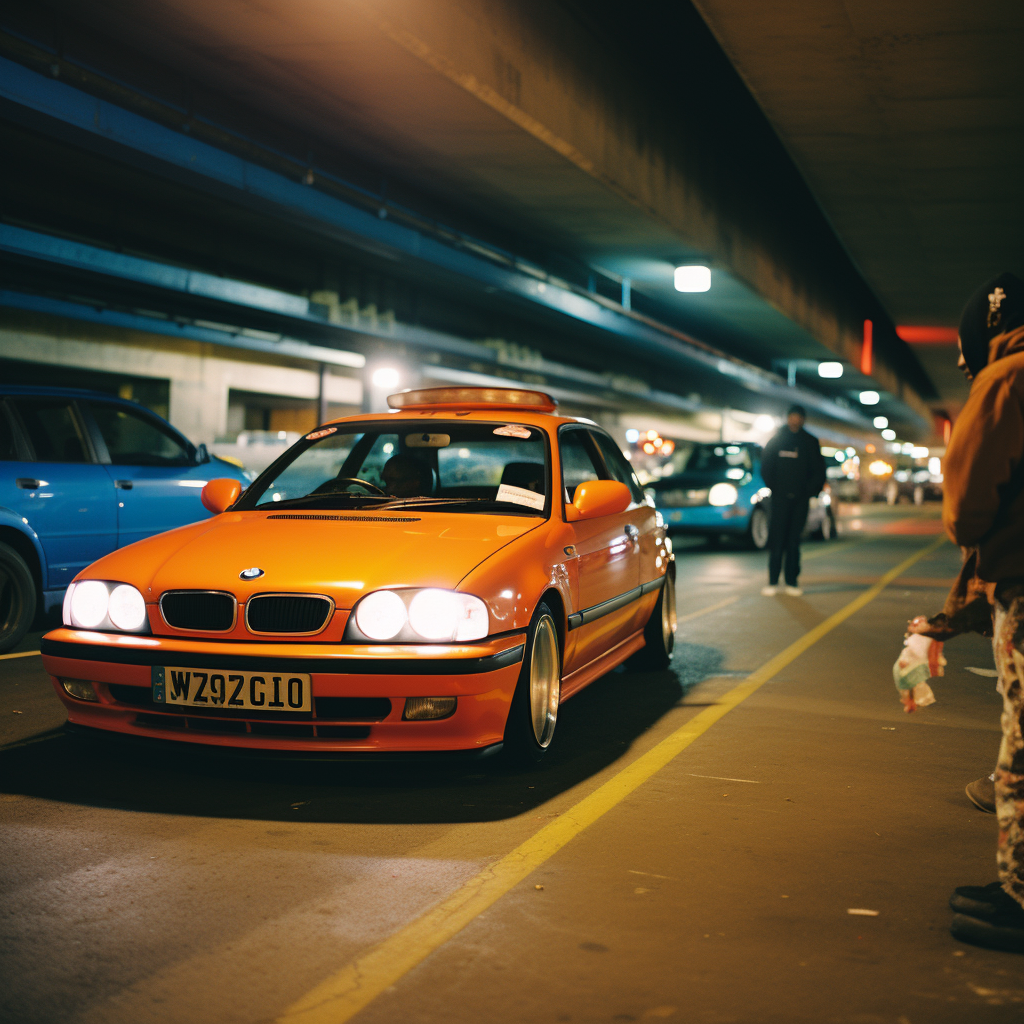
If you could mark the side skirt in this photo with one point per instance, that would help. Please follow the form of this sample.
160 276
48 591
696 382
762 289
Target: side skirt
574 682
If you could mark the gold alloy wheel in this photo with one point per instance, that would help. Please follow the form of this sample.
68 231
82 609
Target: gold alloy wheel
668 614
545 681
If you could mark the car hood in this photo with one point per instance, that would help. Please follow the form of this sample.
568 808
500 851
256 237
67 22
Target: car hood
342 555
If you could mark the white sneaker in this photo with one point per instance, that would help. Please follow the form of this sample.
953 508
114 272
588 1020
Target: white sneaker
794 591
770 591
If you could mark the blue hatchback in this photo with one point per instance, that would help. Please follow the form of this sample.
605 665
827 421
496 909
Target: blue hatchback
720 491
83 473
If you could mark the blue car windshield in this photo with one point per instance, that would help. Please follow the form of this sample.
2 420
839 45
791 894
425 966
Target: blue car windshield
462 467
713 458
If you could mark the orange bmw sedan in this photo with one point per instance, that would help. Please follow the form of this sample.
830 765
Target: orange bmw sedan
438 578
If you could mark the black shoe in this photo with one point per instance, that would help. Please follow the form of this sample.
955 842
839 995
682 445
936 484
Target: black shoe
981 901
982 793
997 934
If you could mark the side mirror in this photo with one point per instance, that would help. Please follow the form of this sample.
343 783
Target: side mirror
202 455
595 498
218 495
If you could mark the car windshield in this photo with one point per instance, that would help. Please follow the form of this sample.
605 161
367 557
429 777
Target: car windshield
457 466
711 458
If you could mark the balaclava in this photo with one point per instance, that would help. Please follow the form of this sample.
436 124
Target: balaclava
996 307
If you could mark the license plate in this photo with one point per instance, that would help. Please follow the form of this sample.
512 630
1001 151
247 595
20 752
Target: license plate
238 691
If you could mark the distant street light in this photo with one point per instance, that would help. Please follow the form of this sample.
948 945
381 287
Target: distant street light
693 279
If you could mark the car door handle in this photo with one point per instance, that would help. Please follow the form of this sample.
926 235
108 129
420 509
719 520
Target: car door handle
27 483
124 485
632 532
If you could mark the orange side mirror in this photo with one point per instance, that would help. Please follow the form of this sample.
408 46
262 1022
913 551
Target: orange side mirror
594 498
217 495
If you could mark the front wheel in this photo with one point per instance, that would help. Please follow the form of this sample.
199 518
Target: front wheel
758 534
533 714
17 597
659 633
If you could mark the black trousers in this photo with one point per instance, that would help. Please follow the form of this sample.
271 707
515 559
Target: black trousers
785 526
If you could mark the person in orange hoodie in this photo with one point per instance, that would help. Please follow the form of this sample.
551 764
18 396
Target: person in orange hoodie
983 512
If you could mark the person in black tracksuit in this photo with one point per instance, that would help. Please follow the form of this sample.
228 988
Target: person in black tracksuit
794 469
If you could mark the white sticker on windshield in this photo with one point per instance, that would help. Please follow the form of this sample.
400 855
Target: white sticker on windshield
317 434
512 430
521 496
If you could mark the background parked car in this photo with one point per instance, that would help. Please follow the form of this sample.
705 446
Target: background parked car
719 491
83 473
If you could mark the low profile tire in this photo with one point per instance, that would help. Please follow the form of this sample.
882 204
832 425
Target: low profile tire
17 598
757 534
659 633
533 715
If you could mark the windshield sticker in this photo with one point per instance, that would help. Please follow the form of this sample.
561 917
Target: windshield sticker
317 434
520 496
512 430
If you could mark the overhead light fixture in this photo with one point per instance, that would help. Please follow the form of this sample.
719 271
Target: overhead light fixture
830 370
889 435
692 279
880 422
869 398
764 424
385 377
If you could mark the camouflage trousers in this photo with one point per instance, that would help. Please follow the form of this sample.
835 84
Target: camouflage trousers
1008 647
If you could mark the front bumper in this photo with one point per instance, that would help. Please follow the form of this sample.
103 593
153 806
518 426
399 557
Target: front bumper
707 519
482 676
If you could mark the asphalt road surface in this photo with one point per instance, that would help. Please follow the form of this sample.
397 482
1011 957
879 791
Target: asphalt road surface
691 853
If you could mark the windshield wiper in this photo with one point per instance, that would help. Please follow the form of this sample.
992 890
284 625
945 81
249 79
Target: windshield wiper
477 504
329 500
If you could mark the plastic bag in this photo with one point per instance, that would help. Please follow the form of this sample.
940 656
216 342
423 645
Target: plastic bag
920 660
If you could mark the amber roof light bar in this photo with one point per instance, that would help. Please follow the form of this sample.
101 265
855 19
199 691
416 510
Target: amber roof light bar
473 398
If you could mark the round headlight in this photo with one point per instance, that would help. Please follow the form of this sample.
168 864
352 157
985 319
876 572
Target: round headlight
434 614
89 604
447 615
722 494
127 608
381 616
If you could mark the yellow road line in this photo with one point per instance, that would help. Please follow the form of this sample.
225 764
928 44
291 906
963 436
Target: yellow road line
344 994
18 654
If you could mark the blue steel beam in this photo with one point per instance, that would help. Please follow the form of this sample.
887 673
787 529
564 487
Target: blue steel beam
329 215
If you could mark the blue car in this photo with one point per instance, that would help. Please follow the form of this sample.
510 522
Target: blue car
83 473
720 491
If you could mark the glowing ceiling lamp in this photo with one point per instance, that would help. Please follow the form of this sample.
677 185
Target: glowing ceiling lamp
692 279
830 370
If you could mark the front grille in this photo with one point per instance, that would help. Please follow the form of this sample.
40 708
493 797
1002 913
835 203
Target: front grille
204 610
287 613
681 498
353 709
181 723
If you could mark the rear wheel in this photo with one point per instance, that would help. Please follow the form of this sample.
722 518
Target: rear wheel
659 633
17 598
532 717
758 534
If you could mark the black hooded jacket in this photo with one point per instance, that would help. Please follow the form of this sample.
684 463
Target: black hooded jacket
792 464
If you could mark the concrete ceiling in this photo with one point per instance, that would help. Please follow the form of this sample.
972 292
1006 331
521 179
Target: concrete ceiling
907 121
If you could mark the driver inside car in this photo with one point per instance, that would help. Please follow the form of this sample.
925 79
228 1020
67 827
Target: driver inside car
405 476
